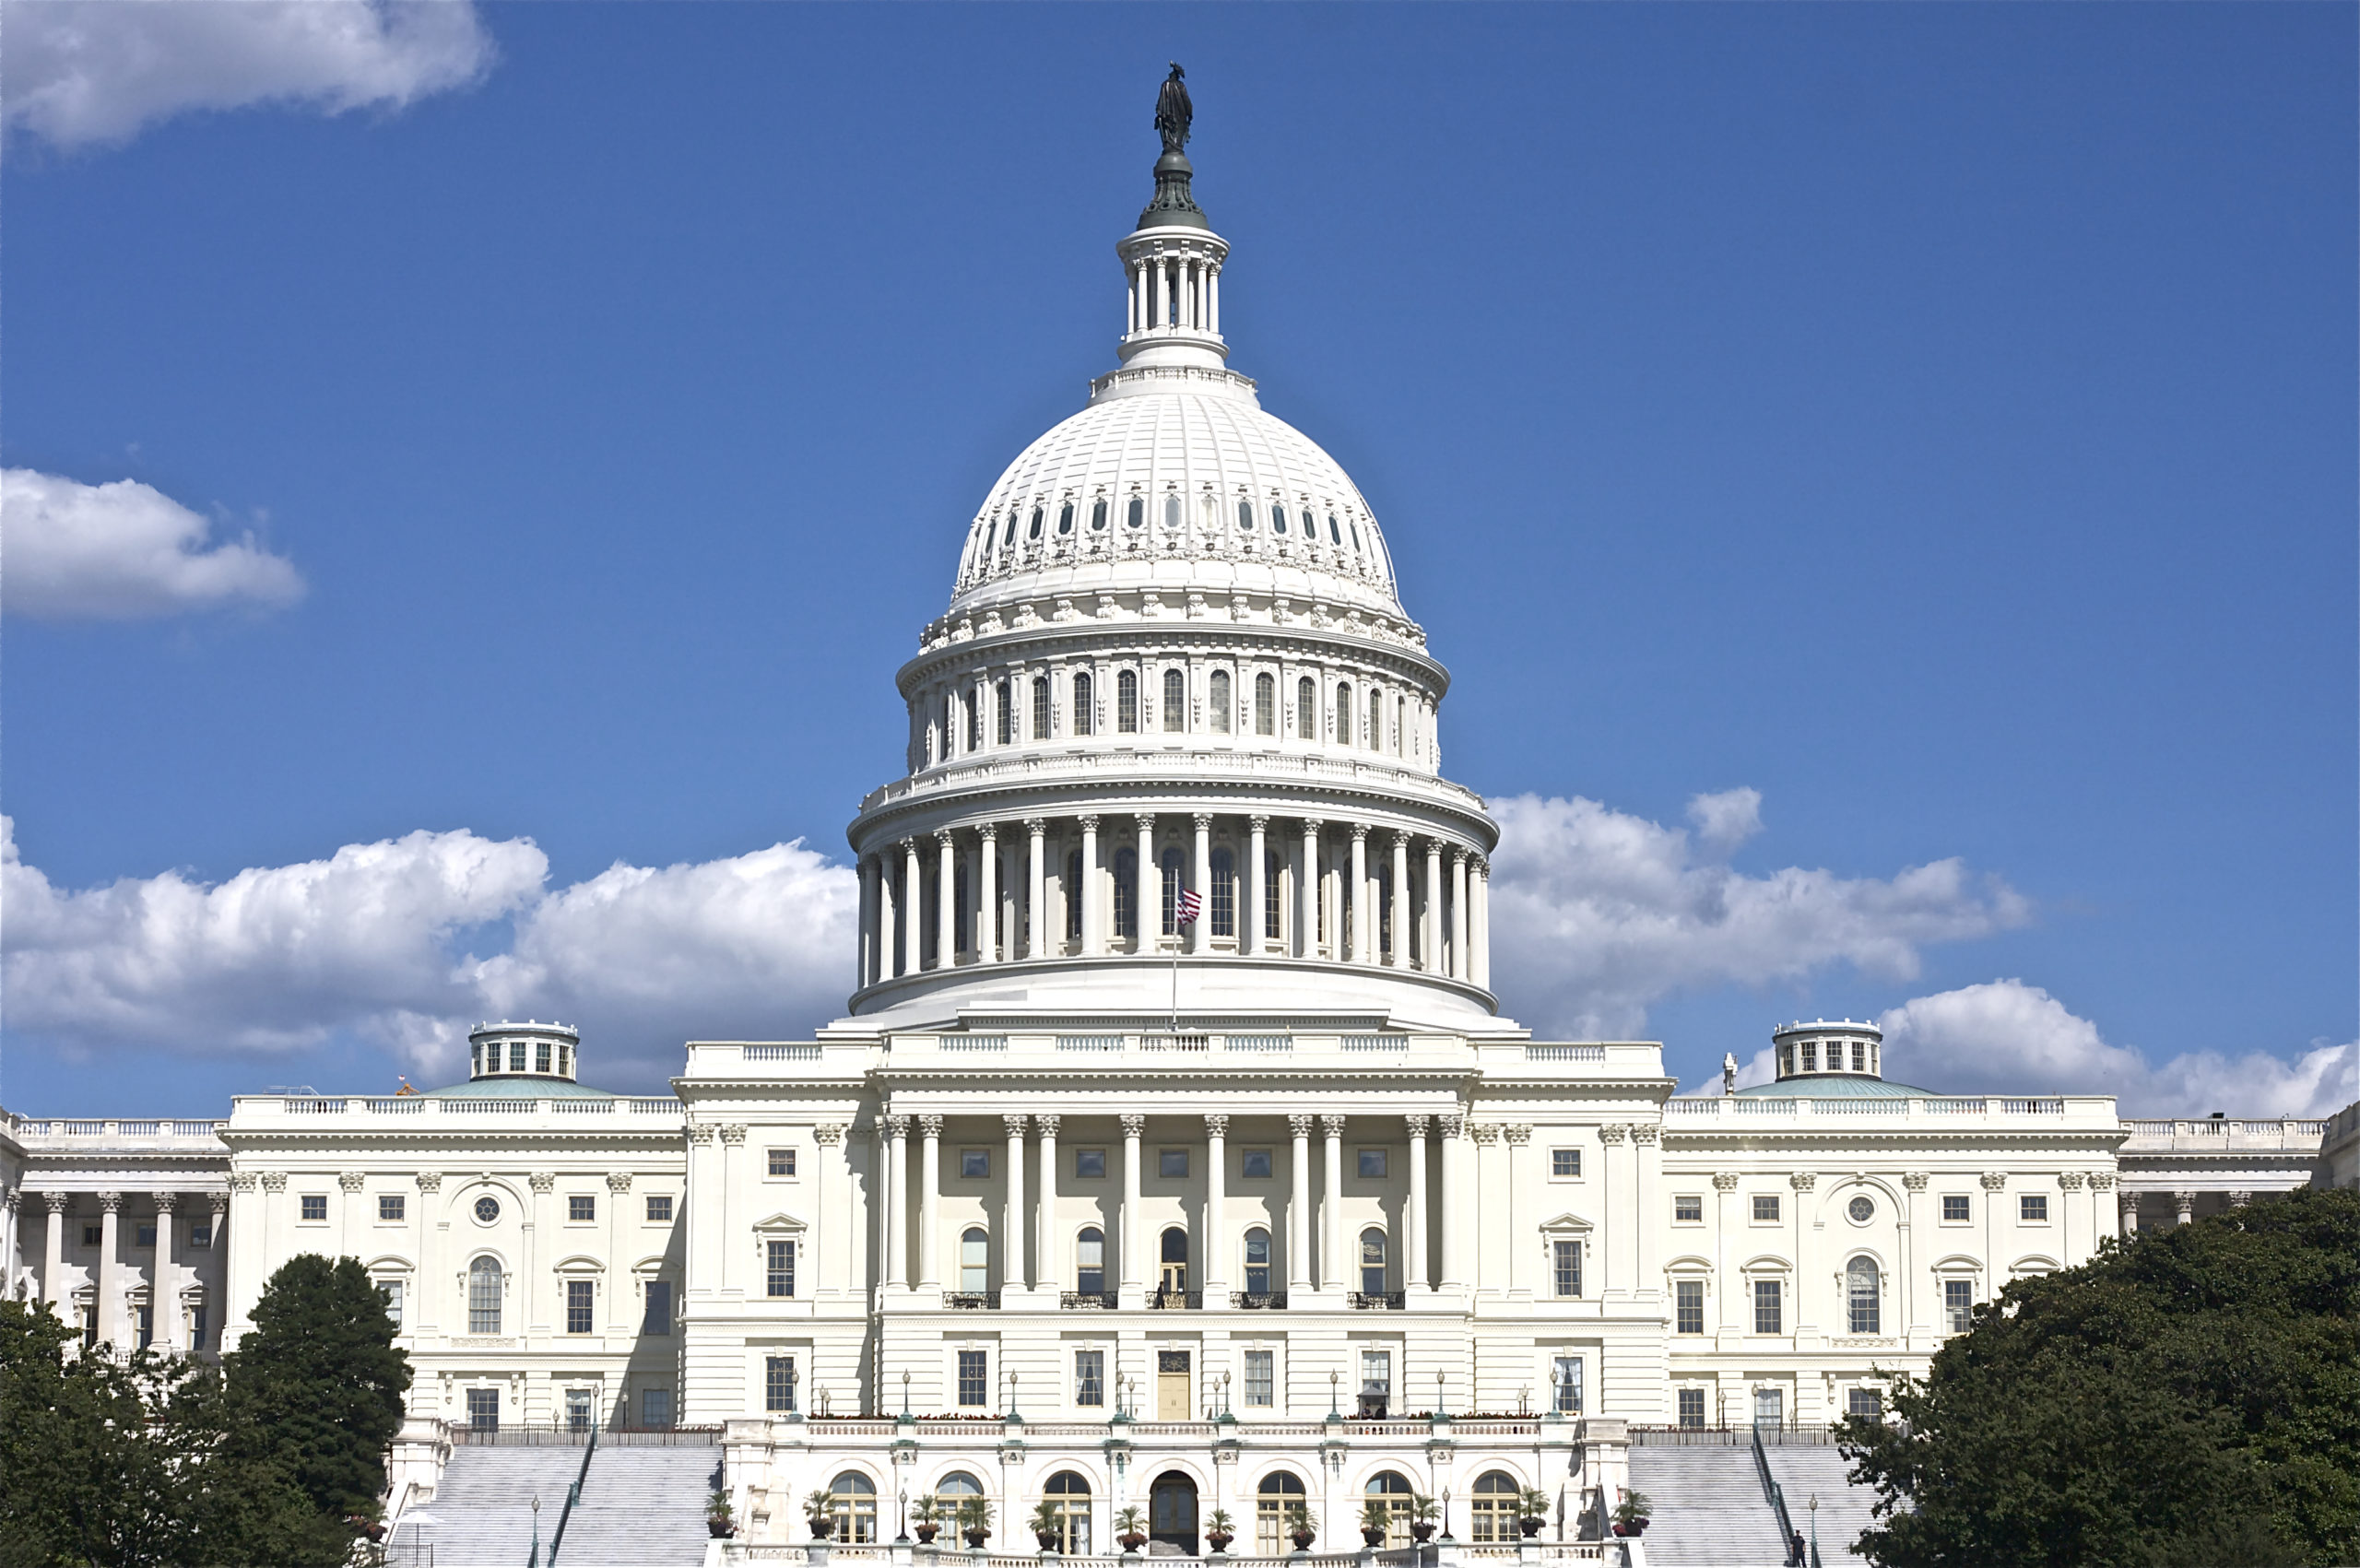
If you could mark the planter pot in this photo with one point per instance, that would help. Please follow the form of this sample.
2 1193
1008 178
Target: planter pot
1371 1539
1639 1526
976 1539
1530 1527
820 1529
1132 1543
1048 1541
927 1533
1218 1541
1422 1533
1619 1530
375 1532
720 1529
1302 1539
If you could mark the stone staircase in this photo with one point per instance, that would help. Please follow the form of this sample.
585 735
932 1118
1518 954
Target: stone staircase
1844 1509
482 1512
642 1508
1709 1509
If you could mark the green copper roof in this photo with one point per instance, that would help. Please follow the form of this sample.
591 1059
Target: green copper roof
1835 1086
520 1087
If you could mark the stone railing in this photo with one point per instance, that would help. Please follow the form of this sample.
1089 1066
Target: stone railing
2077 1113
35 1132
2221 1136
416 1110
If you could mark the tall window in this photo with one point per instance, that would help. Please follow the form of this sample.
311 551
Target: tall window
1279 1495
1860 1295
1224 893
1257 1262
1689 1306
974 722
1958 1304
484 1289
1085 721
1768 1305
851 1497
1090 1377
581 1296
1273 905
1039 707
1004 716
483 1409
1261 1380
1400 722
1372 1262
1376 1381
1072 891
1068 1495
974 1380
1306 709
778 1385
1493 1507
658 1318
1089 1262
1565 1267
1126 701
1217 701
1126 882
1375 738
390 1291
1171 892
1565 1384
975 1260
1343 714
1175 699
1388 1495
1171 1252
1265 702
1692 1407
577 1409
780 1276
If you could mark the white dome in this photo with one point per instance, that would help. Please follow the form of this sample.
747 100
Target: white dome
1189 446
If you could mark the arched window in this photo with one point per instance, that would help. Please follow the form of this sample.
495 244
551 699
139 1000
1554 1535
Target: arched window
1175 699
1065 518
1171 864
1126 879
975 1260
1085 720
485 1287
1072 892
962 935
1223 899
1257 1262
1335 536
1273 904
1038 517
1089 1262
1246 516
1010 537
1343 713
1265 702
1306 709
1217 701
1172 509
1385 1504
974 722
1068 1495
1126 701
1375 736
1172 1255
1278 518
1138 514
1400 722
1277 1504
1372 1262
1098 516
956 1485
851 1497
1007 721
1860 1295
1039 707
1493 1506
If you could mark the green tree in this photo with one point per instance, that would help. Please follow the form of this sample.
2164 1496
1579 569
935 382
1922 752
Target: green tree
2191 1398
315 1386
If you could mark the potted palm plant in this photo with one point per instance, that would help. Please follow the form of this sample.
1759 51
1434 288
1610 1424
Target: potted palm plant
1048 1525
1424 1512
975 1521
818 1512
717 1522
1130 1529
1631 1514
1299 1529
1532 1511
1218 1531
1376 1518
929 1515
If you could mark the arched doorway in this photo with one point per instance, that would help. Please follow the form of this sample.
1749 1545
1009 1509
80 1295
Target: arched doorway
1172 1513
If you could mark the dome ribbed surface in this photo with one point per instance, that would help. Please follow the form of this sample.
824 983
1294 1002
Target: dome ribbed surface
1835 1086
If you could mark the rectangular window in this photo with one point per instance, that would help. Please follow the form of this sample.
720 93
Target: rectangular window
1090 1377
1261 1379
1866 1403
1171 1161
658 1318
200 1235
315 1206
1273 904
1765 1206
1565 1163
93 1235
1689 1297
1566 1268
1767 1317
781 1161
1565 1386
1811 1055
779 1277
1688 1210
1958 1302
1255 1163
656 1408
515 1056
2031 1208
778 1385
1371 1164
1860 1056
1040 708
1955 1207
147 1329
390 1291
196 1327
143 1235
391 1205
541 1058
659 1209
580 1297
974 1380
1692 1407
483 1409
577 1409
1089 1163
1377 1374
975 1163
580 1208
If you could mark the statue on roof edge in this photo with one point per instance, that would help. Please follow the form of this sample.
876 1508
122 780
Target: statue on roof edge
1172 111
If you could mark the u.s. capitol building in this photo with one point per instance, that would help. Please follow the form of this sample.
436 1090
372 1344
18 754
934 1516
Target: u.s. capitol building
1173 1150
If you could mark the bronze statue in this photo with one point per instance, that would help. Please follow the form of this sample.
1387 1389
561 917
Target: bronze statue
1173 112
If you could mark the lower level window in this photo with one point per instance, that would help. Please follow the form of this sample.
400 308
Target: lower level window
1864 1402
1688 1300
1768 1317
778 1385
1692 1407
1566 1268
659 1319
1090 1377
655 1407
579 1403
483 1409
1565 1386
390 1292
580 1295
1958 1304
196 1327
1261 1379
974 1380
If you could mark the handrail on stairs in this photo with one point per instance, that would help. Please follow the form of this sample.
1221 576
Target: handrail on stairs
574 1494
1778 1498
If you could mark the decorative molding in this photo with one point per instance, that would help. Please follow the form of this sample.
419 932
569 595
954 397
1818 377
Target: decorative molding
543 1181
930 1127
1803 1181
1452 1127
1330 1125
1416 1126
1613 1132
699 1133
1015 1122
897 1127
1645 1132
1914 1181
828 1134
111 1202
618 1182
1087 821
1134 1124
351 1181
1993 1181
1725 1180
1484 1133
274 1181
1216 1124
1299 1125
1047 1122
2101 1180
733 1134
1519 1133
240 1180
429 1181
2072 1181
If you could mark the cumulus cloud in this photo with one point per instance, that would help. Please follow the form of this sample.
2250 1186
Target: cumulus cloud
370 941
122 551
85 72
2004 1036
1597 913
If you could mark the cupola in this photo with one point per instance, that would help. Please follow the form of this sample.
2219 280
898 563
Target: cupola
530 1050
1821 1049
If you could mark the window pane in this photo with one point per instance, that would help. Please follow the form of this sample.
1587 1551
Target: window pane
780 1270
1090 1377
778 1384
1261 1391
580 1208
1690 1296
658 1320
974 1378
1765 1205
1766 1304
1565 1386
1372 1162
1688 1210
1692 1406
1088 1162
1565 1161
1171 1161
580 1295
1256 1162
1567 1267
1175 699
1217 701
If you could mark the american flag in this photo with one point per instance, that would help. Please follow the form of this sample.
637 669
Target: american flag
1191 906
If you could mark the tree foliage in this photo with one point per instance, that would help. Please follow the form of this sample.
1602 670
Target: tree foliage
316 1385
2191 1398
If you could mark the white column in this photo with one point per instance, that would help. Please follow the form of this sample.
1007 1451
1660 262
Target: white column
217 1288
2069 1219
164 1275
1036 889
1216 1211
1455 1223
1133 1126
888 954
1298 1210
1415 1274
897 1201
1046 1273
1482 914
1257 889
2183 1204
946 900
1399 956
1332 1274
1143 904
1011 1266
1307 925
1519 1213
109 1284
52 1268
1430 926
1093 918
1458 915
1138 296
1363 927
1200 933
1157 292
2126 1208
868 974
987 904
1212 298
930 1203
914 919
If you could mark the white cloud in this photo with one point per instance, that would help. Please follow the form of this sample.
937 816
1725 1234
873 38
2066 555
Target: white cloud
81 72
1597 913
2004 1036
122 551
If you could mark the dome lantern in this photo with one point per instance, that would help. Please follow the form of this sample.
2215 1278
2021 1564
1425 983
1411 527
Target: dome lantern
523 1050
1821 1049
1173 260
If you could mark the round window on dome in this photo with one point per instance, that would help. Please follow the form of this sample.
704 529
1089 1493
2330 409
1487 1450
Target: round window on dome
487 1210
1246 516
1861 1209
1065 519
1098 516
1039 517
1138 518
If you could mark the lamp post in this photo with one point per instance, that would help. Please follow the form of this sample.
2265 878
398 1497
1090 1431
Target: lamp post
1814 1527
536 1558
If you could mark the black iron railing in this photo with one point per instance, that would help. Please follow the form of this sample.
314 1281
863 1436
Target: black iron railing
1368 1301
1088 1300
970 1301
1258 1301
1173 1301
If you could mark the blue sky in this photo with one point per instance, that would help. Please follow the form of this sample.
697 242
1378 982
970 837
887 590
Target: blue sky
1939 420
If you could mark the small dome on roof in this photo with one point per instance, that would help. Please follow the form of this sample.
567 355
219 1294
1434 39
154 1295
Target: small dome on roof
1835 1086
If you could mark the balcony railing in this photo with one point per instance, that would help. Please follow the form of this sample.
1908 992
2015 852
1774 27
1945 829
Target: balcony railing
1367 1301
1091 1301
970 1301
1258 1301
1174 1300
